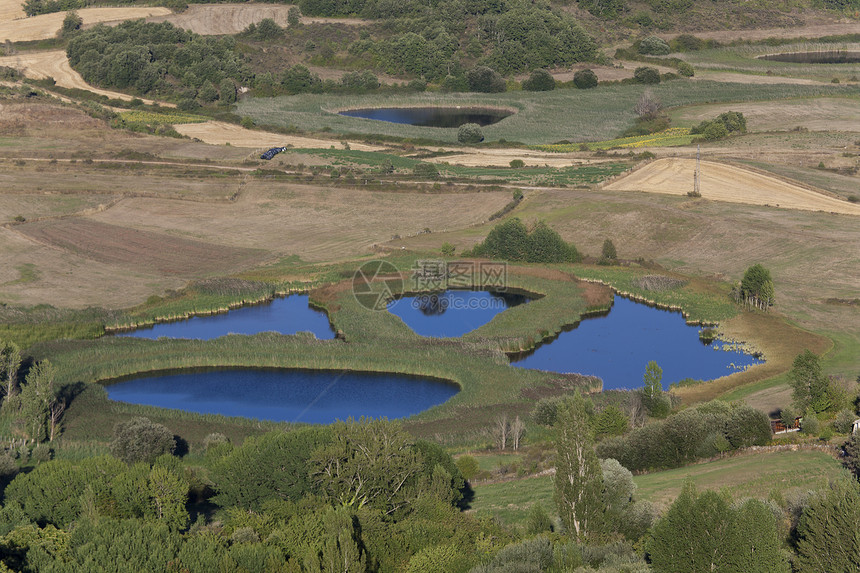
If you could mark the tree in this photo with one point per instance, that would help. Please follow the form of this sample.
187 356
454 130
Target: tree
141 440
703 533
369 462
618 490
827 535
648 107
227 91
71 24
518 429
208 93
503 428
810 387
539 80
608 254
470 133
652 391
646 75
342 552
485 80
585 79
169 493
757 286
38 396
294 16
578 477
10 362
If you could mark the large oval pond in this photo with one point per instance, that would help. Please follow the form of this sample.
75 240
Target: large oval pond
316 397
452 313
618 346
431 116
287 315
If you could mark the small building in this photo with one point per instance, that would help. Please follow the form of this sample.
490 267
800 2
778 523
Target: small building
778 427
856 427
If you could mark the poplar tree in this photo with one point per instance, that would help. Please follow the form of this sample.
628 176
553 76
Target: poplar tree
578 477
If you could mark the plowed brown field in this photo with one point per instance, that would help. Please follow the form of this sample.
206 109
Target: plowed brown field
722 182
140 250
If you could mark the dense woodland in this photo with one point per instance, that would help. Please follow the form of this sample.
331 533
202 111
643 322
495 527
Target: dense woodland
367 496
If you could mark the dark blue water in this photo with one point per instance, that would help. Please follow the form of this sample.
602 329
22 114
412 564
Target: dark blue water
317 397
618 346
431 116
452 313
287 315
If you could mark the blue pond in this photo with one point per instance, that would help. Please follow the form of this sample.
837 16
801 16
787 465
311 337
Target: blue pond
287 315
317 397
617 347
431 116
452 313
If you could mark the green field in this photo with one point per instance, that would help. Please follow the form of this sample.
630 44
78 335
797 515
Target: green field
745 475
542 117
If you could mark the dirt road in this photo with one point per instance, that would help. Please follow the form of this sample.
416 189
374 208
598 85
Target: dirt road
722 182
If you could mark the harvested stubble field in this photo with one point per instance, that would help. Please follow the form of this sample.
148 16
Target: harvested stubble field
221 19
46 26
729 183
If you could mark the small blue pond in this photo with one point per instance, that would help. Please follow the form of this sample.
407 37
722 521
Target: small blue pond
617 347
287 315
431 116
452 313
317 397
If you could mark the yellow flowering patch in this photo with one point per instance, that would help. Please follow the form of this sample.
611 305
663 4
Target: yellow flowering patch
665 138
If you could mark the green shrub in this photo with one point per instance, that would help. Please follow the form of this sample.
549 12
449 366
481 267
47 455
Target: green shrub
646 75
141 440
653 45
517 163
485 80
470 133
424 169
686 69
715 131
809 424
844 421
468 467
540 80
585 79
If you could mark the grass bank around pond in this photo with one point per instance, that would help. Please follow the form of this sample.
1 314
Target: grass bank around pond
601 114
378 341
747 474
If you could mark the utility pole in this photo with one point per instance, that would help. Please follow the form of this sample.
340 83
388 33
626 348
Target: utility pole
697 175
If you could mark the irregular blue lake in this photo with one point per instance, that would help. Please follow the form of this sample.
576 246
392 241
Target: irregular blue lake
316 397
452 313
431 116
617 347
287 315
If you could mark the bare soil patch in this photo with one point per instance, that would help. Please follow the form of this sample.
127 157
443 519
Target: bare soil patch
45 26
722 182
223 19
55 64
755 79
115 245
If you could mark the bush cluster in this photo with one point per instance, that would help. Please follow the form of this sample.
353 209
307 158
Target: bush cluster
722 126
513 241
701 432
